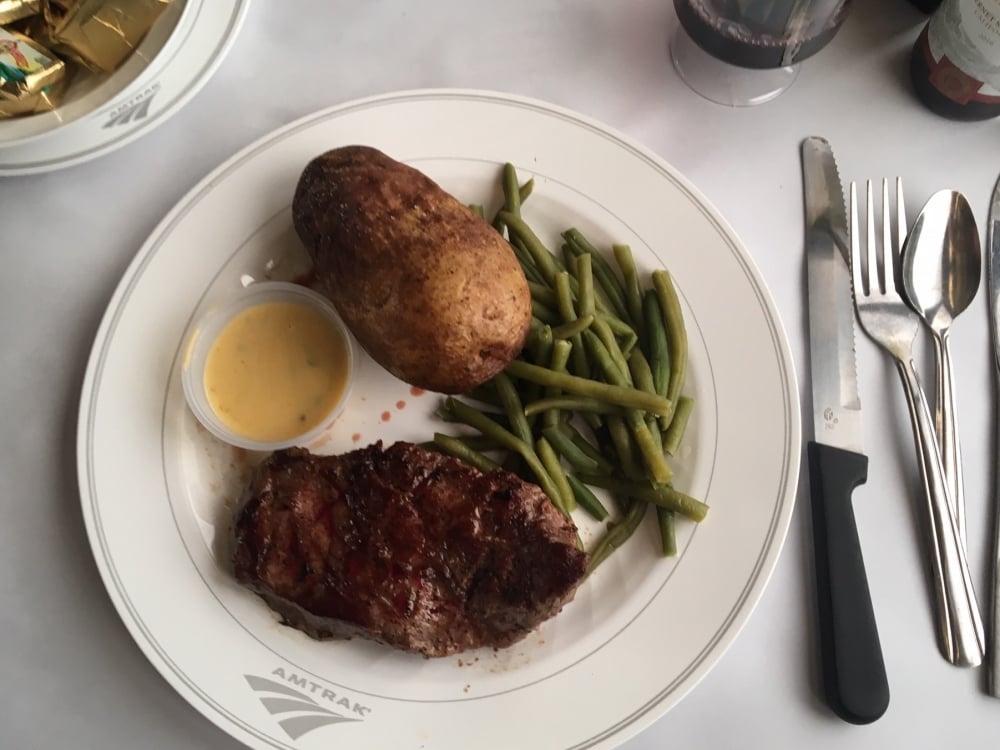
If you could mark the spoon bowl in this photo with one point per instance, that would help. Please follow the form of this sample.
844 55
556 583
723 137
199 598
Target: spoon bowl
941 271
942 259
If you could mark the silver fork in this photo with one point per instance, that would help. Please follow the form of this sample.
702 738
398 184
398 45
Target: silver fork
888 321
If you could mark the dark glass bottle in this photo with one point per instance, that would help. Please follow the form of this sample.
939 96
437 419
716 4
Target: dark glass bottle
952 61
927 6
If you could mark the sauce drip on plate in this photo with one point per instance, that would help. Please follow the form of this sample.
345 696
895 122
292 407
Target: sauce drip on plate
275 371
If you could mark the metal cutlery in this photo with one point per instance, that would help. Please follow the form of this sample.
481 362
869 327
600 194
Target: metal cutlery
888 321
993 285
854 676
941 271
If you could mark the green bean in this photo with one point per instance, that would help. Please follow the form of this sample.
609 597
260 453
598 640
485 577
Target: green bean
633 297
531 272
652 457
525 191
541 292
512 407
617 535
585 281
668 531
546 262
615 305
604 466
511 190
461 451
628 397
616 324
557 363
666 497
573 327
467 415
602 358
627 344
484 394
642 375
551 463
565 297
603 331
580 362
540 350
673 320
477 209
511 195
603 272
445 414
653 425
656 342
587 499
478 442
544 314
566 448
622 441
672 439
572 403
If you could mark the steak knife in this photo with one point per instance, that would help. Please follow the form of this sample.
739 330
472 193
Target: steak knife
854 678
993 283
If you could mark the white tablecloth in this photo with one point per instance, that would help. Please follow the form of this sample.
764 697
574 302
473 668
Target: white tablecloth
72 677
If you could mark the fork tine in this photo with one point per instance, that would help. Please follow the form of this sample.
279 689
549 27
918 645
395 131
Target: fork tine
875 279
856 279
890 253
901 225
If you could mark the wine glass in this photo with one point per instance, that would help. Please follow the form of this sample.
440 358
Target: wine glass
746 52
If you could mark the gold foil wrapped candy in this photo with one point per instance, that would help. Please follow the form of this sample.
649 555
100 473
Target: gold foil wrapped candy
26 67
42 41
44 101
15 10
100 34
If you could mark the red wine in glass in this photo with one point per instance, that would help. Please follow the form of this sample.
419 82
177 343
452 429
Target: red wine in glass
761 33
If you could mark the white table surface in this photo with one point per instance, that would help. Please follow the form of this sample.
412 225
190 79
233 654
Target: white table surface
70 676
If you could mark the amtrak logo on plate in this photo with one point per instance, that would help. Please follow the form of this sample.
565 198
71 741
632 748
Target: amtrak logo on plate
304 712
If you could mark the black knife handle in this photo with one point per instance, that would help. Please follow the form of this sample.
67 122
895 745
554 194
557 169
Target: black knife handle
853 670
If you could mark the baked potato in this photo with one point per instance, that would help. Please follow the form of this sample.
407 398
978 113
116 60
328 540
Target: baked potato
431 291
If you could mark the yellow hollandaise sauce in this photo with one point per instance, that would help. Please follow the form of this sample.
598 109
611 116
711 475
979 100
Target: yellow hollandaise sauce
276 370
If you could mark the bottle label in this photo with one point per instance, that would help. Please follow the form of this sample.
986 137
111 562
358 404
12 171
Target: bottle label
963 50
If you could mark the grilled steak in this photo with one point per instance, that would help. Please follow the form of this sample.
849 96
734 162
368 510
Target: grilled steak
404 546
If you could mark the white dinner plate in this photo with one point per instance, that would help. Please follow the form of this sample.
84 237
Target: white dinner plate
173 62
157 491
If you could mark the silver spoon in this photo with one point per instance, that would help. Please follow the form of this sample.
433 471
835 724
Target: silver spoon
942 269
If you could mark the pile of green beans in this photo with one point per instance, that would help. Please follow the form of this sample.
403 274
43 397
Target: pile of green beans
594 398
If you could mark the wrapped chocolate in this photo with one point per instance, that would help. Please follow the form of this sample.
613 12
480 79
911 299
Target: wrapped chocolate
100 34
44 101
15 10
26 67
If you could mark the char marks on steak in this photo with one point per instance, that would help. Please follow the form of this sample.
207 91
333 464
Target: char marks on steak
405 546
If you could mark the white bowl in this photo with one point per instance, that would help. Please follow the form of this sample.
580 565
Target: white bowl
207 330
87 92
99 114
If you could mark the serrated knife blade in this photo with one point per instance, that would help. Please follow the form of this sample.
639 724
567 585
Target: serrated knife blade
836 404
854 678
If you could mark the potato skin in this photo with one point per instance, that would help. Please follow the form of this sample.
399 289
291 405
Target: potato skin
431 291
